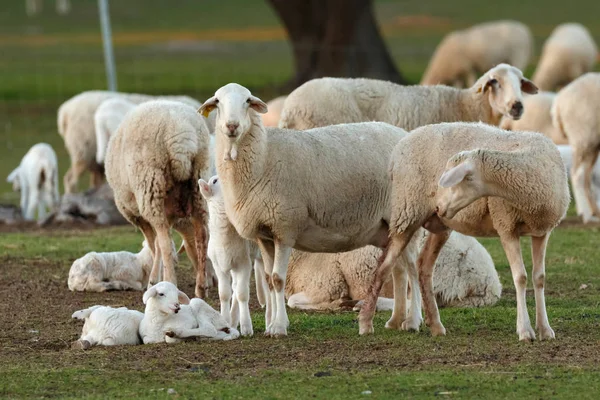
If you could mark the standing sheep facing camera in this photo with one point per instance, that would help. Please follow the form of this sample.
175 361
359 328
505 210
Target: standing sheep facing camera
153 164
465 54
37 179
107 119
328 101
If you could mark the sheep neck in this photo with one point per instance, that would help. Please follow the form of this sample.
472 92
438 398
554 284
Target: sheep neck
475 108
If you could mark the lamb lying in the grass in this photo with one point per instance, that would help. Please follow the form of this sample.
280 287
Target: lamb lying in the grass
171 316
107 326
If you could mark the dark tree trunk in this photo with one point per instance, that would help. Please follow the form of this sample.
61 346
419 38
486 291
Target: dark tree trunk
335 38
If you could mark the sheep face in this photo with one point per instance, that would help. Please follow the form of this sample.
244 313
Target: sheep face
209 189
14 179
462 184
505 85
165 298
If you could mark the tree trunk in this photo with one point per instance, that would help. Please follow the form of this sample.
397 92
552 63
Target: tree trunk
335 38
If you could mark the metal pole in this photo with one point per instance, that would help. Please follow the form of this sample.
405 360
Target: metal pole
109 59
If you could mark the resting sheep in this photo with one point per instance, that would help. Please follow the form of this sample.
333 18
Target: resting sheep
106 121
153 164
107 326
328 101
36 178
465 54
493 183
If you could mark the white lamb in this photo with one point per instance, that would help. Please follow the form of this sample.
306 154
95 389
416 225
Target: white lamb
493 183
328 101
170 316
465 54
569 52
107 326
106 121
37 179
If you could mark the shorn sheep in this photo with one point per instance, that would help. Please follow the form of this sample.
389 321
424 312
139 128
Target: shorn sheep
321 190
36 178
171 317
107 326
106 121
576 114
120 270
491 183
328 101
153 164
463 55
569 52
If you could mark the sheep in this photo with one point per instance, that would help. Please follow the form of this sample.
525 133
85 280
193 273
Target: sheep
464 54
566 153
491 183
272 117
107 326
170 316
575 114
464 276
324 190
328 101
36 178
569 52
107 118
120 270
75 122
153 163
536 117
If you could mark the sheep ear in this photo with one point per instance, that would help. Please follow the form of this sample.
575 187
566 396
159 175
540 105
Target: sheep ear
149 293
528 87
208 106
456 175
205 189
182 298
258 105
12 175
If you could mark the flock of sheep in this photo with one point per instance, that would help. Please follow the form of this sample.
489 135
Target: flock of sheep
361 182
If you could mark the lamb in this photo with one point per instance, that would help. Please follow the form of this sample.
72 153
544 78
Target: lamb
171 317
106 121
328 101
566 153
464 54
107 326
569 52
120 270
36 178
153 164
275 106
342 171
575 114
494 183
536 117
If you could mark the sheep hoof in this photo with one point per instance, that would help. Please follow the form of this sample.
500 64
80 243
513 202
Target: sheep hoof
278 330
393 324
365 328
200 292
412 325
526 334
170 334
438 330
81 345
246 330
546 333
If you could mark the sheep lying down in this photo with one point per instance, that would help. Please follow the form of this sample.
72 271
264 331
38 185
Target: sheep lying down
107 326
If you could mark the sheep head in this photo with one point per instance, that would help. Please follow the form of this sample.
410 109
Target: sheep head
209 189
165 298
14 179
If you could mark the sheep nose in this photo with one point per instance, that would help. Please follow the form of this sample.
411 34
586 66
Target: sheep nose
232 126
516 109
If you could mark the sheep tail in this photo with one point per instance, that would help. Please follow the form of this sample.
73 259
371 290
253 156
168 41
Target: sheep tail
180 159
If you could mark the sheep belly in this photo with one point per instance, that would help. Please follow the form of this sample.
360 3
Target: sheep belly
317 239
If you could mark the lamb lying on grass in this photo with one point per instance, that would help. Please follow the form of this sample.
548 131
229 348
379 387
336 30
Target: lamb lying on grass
107 326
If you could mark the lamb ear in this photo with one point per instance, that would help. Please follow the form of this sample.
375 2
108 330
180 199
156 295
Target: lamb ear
12 175
182 298
208 106
455 175
149 293
528 87
205 189
258 105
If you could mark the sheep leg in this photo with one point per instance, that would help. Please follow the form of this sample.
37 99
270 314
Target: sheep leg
169 257
32 202
201 243
189 239
242 294
538 255
235 305
280 266
25 200
156 275
224 293
399 320
579 182
589 163
203 331
72 176
512 248
268 254
262 289
96 176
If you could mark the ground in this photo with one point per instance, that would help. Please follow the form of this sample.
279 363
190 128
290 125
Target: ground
194 48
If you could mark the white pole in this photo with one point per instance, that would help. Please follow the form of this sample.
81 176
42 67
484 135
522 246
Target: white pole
109 59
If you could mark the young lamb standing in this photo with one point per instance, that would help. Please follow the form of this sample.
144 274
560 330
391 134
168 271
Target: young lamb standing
153 164
107 326
328 101
37 179
493 183
106 121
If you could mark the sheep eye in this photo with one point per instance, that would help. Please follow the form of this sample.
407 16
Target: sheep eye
494 81
249 100
161 294
216 101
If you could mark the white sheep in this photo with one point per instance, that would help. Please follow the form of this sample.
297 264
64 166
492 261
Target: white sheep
465 54
120 270
321 190
493 183
153 164
536 117
566 153
172 317
107 326
37 179
569 52
275 106
575 114
107 118
328 101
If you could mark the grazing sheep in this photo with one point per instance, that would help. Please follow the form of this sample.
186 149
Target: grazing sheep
575 114
107 326
328 101
569 52
170 316
120 270
566 153
465 54
153 164
275 106
493 183
37 179
106 121
321 190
